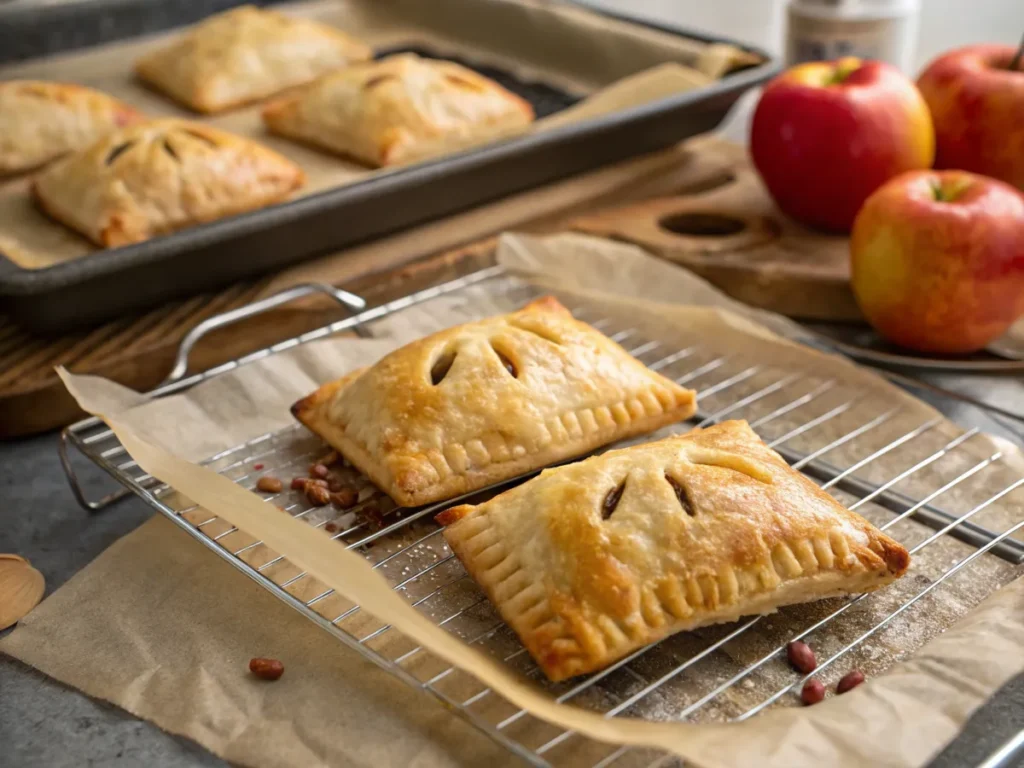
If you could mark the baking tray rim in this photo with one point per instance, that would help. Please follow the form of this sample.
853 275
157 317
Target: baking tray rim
17 281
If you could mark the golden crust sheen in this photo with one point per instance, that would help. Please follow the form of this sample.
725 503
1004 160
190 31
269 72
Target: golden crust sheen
399 109
41 121
160 176
514 393
708 527
244 55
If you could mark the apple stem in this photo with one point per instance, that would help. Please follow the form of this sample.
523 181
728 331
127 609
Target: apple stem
1015 62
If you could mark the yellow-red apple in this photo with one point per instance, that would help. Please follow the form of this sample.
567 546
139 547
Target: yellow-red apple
977 103
825 135
937 260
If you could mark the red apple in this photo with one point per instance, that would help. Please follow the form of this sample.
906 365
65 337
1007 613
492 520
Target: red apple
938 260
977 103
826 135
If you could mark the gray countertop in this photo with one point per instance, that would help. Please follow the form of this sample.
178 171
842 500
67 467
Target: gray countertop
43 723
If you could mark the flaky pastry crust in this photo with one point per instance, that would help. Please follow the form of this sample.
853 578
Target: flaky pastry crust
487 401
42 121
160 176
590 561
244 55
399 109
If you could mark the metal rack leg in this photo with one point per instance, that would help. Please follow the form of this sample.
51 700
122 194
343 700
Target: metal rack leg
1007 754
76 487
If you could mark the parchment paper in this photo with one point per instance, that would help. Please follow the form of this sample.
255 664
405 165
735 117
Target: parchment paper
899 719
628 75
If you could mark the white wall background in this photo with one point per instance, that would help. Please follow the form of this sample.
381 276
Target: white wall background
943 24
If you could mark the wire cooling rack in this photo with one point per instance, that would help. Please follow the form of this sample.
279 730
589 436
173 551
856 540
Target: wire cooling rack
949 496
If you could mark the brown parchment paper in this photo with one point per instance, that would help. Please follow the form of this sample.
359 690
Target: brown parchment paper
900 718
543 42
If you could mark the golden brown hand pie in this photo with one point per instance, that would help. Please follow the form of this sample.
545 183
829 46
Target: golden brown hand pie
244 55
487 401
399 109
40 121
590 561
161 176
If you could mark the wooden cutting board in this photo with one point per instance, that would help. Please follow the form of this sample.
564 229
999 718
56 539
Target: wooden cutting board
734 237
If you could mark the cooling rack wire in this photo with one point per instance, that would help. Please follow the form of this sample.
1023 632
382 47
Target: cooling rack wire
729 672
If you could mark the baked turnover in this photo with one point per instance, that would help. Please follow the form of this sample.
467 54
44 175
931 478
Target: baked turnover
589 561
488 401
160 176
244 55
41 121
399 109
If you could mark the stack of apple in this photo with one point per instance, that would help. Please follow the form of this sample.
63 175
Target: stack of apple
937 256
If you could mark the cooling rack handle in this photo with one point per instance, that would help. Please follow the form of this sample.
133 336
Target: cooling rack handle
346 299
1007 754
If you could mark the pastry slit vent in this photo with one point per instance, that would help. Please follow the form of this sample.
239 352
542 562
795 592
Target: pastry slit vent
506 362
170 150
732 461
117 151
463 82
197 135
373 82
611 500
441 366
683 495
543 333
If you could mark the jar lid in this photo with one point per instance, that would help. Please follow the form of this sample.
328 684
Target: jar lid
858 9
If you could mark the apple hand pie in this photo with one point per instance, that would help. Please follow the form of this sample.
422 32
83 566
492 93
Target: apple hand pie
487 401
399 109
160 176
244 55
589 561
41 121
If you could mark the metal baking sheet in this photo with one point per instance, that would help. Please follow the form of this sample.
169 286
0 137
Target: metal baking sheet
58 281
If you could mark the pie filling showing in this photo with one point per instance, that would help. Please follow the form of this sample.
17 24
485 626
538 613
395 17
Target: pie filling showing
488 401
590 561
